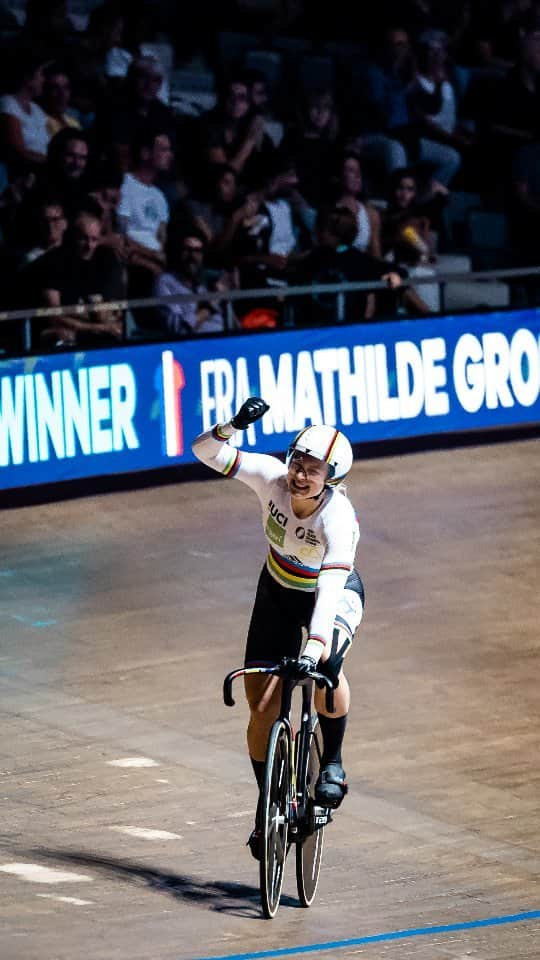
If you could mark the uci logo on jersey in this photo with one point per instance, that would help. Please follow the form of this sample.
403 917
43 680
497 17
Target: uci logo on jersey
275 525
279 517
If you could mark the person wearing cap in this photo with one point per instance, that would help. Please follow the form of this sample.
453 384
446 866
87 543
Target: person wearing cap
308 581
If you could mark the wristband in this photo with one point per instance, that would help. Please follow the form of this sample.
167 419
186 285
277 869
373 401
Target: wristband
313 649
223 431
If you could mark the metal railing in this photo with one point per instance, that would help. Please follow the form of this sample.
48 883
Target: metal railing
279 292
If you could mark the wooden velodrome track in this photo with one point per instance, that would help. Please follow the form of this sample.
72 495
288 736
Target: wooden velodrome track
120 616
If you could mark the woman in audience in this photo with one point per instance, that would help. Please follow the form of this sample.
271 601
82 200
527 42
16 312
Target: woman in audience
212 212
349 193
432 100
410 231
106 192
233 133
312 143
412 219
23 124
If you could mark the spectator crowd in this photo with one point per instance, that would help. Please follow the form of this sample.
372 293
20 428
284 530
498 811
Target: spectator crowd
333 151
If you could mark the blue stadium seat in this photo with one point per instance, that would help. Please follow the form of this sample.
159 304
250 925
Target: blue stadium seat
232 47
269 62
291 47
316 72
346 52
488 239
455 234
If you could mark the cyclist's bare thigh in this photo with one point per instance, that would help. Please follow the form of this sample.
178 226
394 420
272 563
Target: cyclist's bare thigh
262 692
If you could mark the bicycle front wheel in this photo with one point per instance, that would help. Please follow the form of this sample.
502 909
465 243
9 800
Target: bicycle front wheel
309 851
275 818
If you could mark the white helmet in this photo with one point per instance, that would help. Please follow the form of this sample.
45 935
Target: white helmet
327 444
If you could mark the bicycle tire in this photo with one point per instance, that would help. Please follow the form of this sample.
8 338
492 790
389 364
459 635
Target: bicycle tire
275 818
309 850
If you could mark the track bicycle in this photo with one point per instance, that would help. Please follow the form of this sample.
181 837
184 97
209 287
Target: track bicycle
289 813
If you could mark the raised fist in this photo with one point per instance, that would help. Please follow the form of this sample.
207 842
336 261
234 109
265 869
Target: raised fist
250 411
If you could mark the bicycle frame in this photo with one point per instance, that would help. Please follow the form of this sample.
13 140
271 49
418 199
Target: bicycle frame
299 760
297 802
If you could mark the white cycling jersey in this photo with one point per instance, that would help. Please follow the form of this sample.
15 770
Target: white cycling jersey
315 553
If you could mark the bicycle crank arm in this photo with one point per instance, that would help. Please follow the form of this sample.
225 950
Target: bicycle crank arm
319 817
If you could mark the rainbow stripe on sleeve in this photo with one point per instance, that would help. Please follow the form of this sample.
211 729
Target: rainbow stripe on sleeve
290 574
235 457
233 464
330 567
217 434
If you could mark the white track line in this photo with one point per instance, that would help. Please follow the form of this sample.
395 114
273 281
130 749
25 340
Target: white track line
133 762
74 900
145 834
38 874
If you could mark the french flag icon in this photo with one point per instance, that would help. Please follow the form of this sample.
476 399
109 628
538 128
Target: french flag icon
173 382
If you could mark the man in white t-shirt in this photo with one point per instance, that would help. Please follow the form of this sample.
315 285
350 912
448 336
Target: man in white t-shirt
143 212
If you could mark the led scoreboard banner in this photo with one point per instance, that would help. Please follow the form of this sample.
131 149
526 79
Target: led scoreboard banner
76 415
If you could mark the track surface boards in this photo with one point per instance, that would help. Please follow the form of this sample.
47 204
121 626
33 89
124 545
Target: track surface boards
126 793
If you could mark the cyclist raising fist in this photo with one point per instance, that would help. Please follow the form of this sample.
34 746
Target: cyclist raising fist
308 581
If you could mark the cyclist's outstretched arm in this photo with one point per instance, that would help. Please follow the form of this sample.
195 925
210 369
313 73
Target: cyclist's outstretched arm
337 564
213 448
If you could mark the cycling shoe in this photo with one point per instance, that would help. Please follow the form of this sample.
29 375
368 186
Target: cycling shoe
331 786
254 843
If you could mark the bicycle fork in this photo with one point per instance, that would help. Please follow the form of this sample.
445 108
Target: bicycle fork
305 817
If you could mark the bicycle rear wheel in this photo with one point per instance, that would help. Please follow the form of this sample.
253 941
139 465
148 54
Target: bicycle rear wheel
275 817
309 850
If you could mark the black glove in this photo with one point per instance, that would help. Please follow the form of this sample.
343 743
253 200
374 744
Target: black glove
303 666
249 412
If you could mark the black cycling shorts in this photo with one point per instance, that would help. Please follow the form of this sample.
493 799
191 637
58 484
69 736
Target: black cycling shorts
275 630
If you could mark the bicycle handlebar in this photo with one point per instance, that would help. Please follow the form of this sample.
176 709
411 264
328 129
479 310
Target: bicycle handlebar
279 670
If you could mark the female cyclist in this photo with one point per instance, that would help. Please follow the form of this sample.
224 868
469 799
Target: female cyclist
308 581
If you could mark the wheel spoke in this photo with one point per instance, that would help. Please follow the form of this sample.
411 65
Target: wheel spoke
279 848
